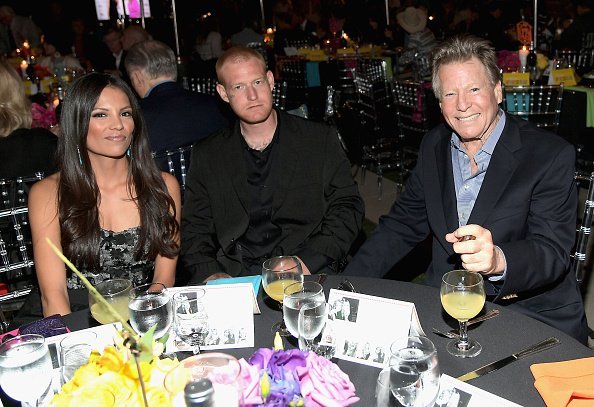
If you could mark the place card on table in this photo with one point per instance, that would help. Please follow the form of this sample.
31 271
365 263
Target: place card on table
453 392
229 309
516 79
362 332
567 76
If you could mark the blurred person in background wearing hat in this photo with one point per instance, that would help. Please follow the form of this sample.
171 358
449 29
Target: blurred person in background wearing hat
414 21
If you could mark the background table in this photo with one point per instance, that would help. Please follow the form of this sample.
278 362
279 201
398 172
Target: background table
500 337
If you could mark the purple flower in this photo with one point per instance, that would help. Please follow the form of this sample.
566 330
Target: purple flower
282 363
260 358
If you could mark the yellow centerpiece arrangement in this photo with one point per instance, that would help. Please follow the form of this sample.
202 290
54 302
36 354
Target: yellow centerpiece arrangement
111 377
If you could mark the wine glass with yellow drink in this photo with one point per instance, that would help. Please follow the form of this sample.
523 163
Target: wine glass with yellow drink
278 273
115 291
463 297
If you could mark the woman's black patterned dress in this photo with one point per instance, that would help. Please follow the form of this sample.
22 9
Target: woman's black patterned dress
116 260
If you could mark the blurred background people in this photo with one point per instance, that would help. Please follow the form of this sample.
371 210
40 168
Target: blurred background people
23 150
17 29
574 36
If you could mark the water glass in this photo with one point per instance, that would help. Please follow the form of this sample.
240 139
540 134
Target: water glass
314 335
190 318
383 395
75 349
414 371
115 291
25 368
296 296
150 305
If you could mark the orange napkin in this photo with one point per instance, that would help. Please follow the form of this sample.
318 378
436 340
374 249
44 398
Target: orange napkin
569 383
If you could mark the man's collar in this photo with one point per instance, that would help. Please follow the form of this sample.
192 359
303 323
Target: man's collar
148 92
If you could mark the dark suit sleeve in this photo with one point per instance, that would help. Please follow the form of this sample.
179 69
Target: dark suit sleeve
344 210
398 232
199 245
541 258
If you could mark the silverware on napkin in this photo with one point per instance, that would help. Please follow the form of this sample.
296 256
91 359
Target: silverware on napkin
481 371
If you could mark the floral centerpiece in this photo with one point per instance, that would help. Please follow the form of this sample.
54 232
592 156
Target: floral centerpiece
277 377
111 378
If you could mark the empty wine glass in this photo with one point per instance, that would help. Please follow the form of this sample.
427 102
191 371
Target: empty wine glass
277 274
295 296
414 371
150 304
463 296
25 368
190 318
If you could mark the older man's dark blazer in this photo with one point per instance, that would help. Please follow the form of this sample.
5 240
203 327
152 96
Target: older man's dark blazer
176 117
527 200
316 203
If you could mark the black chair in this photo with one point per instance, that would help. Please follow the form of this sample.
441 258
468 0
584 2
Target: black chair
279 95
204 84
175 161
540 104
579 267
17 271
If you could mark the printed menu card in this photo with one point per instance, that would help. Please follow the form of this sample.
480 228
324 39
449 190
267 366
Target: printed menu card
361 332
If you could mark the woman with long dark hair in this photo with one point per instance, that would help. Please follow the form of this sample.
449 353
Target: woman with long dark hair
109 208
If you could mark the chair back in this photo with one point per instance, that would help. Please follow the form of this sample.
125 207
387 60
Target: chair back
203 84
293 72
584 231
366 100
17 269
413 101
176 162
279 95
539 104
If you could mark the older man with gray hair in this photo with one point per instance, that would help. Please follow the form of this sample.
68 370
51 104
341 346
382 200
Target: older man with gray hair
174 116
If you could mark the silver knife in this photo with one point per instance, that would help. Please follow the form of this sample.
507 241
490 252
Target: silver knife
546 344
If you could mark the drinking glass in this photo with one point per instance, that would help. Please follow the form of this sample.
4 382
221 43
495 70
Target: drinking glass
414 371
115 291
150 304
75 349
313 336
463 296
221 369
25 368
383 395
295 296
277 274
190 318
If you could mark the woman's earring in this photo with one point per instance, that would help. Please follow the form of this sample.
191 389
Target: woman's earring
129 152
79 156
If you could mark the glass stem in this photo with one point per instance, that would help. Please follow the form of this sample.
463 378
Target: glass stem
463 342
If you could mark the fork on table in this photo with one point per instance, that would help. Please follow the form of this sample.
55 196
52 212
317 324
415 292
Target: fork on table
454 333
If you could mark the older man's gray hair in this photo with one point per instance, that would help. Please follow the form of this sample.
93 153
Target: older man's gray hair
154 58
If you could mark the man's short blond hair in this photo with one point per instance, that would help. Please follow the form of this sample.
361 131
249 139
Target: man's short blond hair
238 54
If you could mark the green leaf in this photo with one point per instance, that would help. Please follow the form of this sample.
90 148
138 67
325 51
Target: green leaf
145 345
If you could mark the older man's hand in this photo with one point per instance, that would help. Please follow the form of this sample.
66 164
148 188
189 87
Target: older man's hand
477 252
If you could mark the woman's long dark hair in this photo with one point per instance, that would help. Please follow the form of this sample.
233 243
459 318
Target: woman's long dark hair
78 193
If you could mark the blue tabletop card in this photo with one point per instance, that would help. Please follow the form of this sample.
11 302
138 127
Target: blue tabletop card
253 280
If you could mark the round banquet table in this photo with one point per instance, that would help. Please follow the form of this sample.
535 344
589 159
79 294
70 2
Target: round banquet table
508 333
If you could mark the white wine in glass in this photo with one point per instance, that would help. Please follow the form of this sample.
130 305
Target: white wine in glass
277 274
463 297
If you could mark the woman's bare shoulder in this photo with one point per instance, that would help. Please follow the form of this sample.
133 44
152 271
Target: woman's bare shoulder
47 187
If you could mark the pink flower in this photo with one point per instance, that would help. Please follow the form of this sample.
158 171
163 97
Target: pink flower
324 384
250 379
42 117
